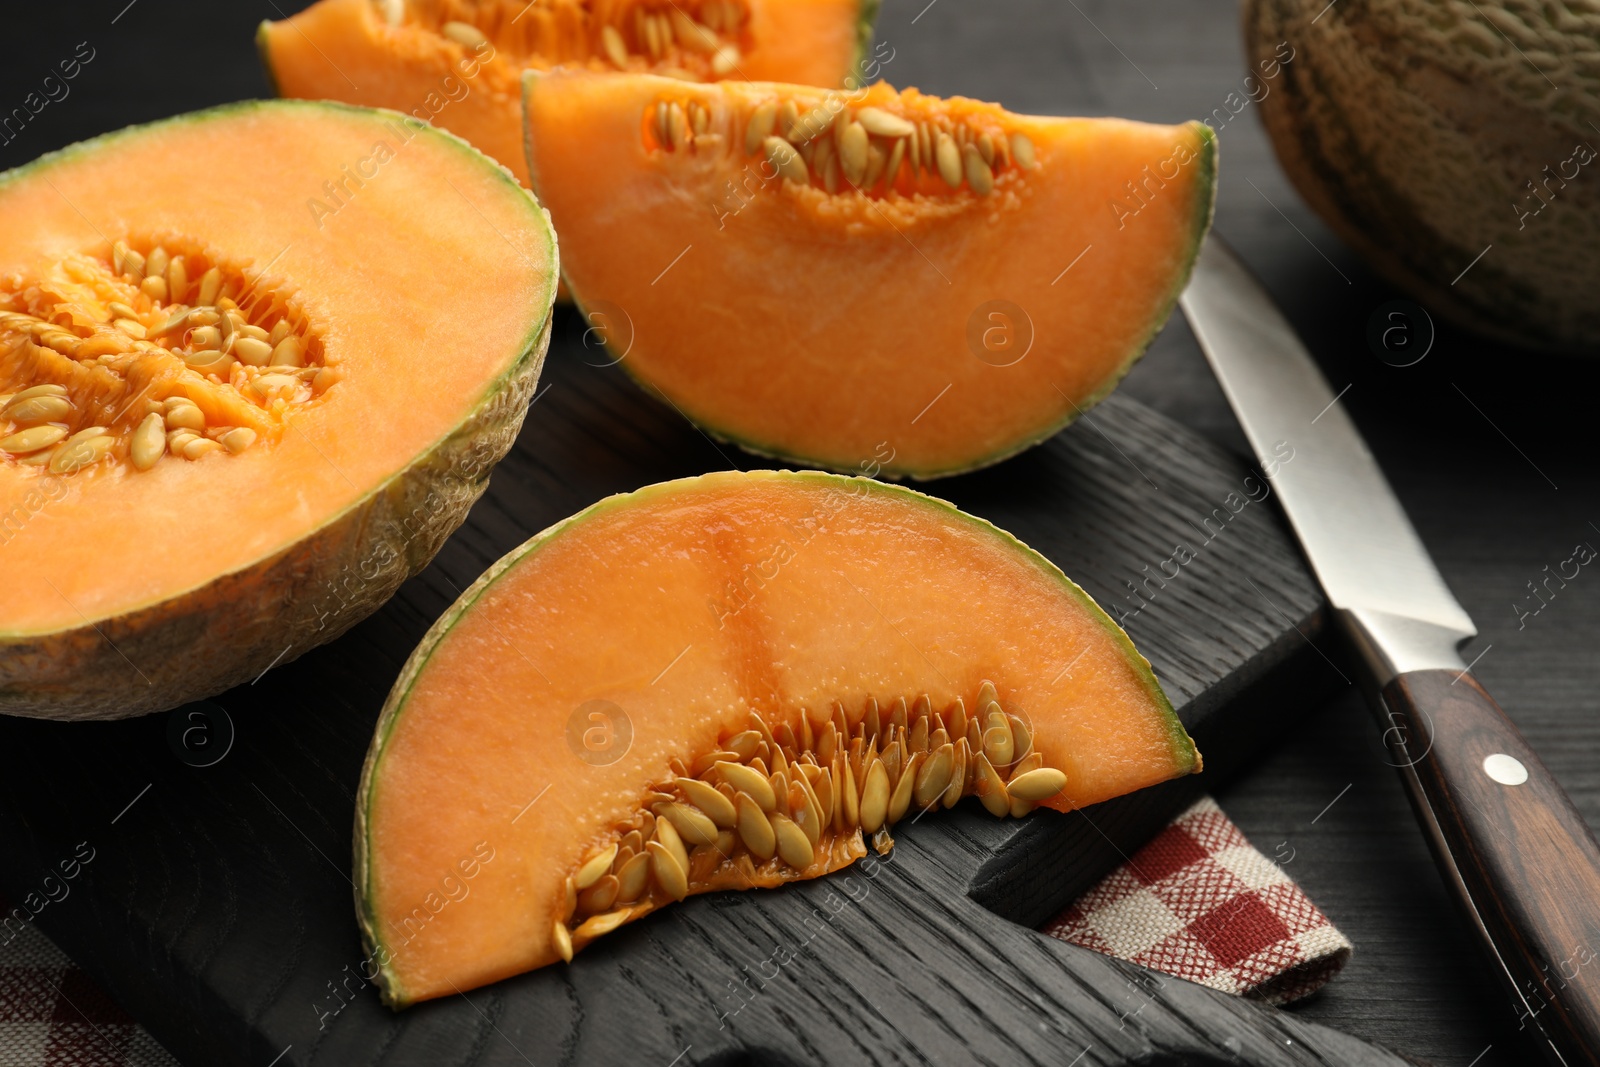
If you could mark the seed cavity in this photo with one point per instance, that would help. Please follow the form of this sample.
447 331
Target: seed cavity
157 346
773 804
869 150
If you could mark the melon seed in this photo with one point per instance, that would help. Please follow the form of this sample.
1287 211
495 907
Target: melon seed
743 744
600 925
1021 738
892 171
177 280
600 896
155 287
785 160
900 799
1022 151
874 797
133 265
597 865
670 875
1036 785
185 416
990 788
853 153
149 442
754 829
948 158
788 115
934 776
762 121
690 34
210 286
611 43
80 454
692 824
633 877
667 835
882 123
677 126
876 160
31 440
998 742
238 439
979 176
289 352
464 34
726 61
751 782
958 775
252 351
985 147
50 389
704 796
269 383
199 447
38 409
155 265
563 940
793 847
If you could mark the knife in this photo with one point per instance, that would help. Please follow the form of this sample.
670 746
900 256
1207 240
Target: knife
1516 854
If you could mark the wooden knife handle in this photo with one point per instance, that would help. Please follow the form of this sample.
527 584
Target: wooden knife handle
1526 866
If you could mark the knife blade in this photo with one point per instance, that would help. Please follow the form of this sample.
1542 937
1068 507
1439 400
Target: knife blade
1510 845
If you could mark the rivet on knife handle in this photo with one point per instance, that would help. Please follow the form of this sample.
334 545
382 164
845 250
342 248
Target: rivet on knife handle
1501 820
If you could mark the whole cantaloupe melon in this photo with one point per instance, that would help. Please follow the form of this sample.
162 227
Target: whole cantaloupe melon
1429 134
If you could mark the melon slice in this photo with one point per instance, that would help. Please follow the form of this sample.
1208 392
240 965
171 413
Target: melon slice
725 682
235 411
879 281
456 63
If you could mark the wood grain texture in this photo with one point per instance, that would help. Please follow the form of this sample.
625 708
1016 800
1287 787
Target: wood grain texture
1528 867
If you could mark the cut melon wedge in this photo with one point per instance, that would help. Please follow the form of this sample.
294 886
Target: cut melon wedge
873 281
236 411
456 63
725 682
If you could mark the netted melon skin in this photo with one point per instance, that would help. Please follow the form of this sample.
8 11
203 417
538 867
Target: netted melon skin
1414 129
230 631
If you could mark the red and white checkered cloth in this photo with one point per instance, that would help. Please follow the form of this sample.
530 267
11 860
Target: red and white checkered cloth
53 1015
1199 902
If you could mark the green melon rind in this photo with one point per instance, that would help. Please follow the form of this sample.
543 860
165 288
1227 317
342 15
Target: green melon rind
392 532
264 55
866 26
1186 756
1203 211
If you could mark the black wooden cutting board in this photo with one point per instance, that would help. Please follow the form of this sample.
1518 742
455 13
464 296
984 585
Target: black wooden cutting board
217 904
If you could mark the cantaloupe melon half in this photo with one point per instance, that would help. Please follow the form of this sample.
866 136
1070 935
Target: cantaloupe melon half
725 682
865 281
256 363
457 63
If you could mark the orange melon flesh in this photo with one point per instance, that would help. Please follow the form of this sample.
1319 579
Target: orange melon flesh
839 328
688 606
348 50
426 335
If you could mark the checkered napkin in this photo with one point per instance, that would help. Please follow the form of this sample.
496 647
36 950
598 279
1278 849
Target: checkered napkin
1199 902
53 1015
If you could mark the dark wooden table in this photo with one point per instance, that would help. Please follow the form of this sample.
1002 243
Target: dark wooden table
1490 448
